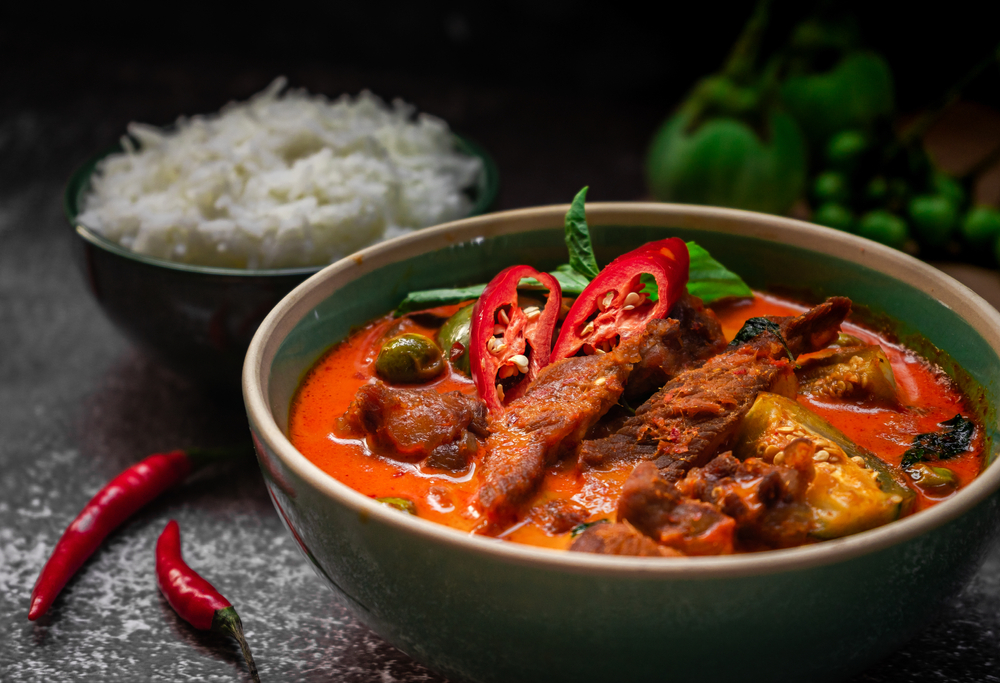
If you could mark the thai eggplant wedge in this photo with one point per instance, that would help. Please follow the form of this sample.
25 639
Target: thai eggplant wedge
851 489
848 373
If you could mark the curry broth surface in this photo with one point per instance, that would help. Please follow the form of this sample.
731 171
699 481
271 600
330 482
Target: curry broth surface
329 387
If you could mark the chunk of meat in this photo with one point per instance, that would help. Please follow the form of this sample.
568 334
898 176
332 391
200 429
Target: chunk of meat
767 502
655 506
815 329
413 424
693 417
727 505
620 539
551 418
689 336
696 414
558 516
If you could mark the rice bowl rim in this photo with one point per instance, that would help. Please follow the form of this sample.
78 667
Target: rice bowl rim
79 183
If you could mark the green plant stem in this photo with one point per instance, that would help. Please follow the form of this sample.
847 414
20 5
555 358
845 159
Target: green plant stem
740 62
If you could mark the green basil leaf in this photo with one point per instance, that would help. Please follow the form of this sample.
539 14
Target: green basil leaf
955 439
570 279
710 280
429 298
581 252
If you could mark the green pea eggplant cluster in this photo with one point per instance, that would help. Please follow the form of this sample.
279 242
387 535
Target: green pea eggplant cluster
811 126
892 193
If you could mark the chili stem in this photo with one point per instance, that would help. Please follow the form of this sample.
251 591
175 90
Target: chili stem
228 621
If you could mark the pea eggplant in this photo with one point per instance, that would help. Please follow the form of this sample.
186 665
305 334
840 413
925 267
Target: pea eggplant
409 358
454 338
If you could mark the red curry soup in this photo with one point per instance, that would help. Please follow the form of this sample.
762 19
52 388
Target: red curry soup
625 422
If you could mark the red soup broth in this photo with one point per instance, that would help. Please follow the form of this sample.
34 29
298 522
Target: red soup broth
326 392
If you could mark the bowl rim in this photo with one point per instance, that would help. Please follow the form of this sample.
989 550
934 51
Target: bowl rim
306 296
80 179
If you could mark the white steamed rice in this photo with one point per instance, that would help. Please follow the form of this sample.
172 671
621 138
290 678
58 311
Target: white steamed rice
280 181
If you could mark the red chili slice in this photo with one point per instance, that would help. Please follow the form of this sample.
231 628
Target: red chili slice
506 341
612 307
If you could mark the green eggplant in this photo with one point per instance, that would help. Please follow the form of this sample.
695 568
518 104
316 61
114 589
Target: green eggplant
851 489
849 373
855 93
723 161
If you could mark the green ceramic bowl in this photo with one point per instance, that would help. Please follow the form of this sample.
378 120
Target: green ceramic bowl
198 320
477 609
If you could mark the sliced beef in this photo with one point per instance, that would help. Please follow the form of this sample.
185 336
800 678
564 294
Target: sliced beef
620 539
550 419
689 336
418 424
694 416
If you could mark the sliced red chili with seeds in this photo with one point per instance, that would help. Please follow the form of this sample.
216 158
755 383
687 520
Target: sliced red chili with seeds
613 307
509 345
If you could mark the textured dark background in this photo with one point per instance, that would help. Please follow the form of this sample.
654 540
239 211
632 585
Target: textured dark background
563 95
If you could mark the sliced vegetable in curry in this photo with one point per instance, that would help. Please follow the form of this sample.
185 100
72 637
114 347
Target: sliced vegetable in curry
954 439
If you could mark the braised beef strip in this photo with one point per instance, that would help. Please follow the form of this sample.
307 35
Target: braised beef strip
550 419
693 417
571 395
729 505
689 336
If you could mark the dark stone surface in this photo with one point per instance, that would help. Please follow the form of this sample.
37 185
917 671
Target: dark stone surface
78 404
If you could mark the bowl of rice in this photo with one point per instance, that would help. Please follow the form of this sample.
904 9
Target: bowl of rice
187 236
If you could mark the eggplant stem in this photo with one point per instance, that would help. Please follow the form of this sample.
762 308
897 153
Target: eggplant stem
740 62
228 621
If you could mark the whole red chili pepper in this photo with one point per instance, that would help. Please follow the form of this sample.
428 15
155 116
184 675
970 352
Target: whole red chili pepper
112 505
194 598
508 345
613 306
